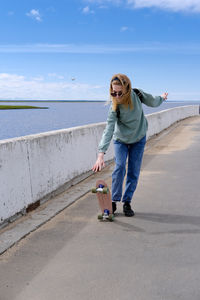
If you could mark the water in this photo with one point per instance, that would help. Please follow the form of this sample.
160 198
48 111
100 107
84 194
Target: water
60 115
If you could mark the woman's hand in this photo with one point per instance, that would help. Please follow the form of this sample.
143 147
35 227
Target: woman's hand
99 163
164 95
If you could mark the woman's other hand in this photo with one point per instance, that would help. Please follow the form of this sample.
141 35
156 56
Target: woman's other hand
164 95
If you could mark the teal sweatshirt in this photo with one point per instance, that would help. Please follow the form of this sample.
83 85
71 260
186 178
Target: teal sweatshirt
131 125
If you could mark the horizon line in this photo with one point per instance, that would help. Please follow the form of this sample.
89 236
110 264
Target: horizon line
184 100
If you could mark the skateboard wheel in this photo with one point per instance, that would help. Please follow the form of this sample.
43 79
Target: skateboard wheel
111 218
94 190
100 217
105 190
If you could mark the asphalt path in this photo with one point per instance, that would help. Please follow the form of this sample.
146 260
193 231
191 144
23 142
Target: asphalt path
153 255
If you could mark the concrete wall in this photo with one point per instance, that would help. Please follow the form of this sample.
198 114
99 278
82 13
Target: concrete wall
33 167
161 120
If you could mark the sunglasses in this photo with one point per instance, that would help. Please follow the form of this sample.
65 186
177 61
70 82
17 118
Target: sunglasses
115 94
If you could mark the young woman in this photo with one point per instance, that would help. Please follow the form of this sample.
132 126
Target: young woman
127 125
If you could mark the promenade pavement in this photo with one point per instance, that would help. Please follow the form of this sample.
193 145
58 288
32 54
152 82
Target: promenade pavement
153 255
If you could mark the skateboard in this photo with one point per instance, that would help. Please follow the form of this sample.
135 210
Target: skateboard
104 199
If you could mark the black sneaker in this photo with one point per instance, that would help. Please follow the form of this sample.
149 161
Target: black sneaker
127 210
114 207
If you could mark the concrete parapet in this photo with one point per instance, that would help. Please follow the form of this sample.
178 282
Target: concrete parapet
35 167
161 120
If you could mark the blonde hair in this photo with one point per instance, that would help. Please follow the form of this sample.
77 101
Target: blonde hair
124 81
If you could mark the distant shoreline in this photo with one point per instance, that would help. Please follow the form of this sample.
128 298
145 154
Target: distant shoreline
6 107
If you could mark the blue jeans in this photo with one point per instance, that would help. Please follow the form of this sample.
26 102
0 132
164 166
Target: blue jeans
134 152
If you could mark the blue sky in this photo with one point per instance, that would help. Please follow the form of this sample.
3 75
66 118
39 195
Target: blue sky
69 49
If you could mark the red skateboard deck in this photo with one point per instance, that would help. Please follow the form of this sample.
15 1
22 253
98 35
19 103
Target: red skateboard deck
104 199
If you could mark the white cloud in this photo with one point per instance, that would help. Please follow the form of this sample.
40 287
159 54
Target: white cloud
54 75
192 48
87 10
13 86
35 14
173 5
38 78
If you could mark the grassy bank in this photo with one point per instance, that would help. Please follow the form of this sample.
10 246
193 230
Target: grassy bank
21 107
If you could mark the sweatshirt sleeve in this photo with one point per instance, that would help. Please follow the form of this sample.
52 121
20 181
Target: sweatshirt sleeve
149 100
108 132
